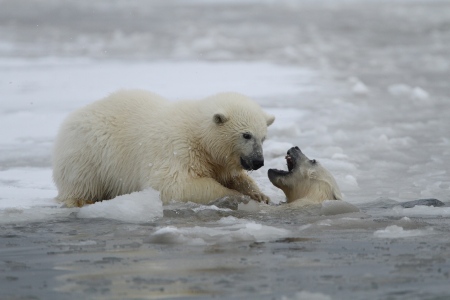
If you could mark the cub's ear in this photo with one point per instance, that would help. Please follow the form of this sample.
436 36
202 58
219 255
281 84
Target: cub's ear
219 118
270 119
312 174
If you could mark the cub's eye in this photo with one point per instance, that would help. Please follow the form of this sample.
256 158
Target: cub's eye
247 136
313 161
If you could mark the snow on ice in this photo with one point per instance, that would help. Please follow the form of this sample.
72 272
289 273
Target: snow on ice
30 121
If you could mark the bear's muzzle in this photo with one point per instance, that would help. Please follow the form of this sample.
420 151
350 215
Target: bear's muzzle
252 164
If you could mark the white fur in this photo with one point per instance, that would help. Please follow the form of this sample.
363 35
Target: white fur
132 140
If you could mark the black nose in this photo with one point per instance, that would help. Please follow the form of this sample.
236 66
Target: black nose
257 163
292 149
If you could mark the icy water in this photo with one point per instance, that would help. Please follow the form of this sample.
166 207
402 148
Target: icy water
361 86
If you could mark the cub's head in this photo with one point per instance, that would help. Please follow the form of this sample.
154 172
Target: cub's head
305 178
238 129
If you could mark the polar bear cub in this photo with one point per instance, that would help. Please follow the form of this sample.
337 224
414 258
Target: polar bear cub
306 181
189 150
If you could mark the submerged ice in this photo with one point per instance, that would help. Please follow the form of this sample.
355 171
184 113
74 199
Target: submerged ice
227 230
395 232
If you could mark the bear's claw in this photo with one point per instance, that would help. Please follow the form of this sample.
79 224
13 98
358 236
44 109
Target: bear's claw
260 197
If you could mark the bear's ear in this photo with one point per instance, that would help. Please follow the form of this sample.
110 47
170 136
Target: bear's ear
270 119
219 118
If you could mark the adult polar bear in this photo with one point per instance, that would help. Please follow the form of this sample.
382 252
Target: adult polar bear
189 150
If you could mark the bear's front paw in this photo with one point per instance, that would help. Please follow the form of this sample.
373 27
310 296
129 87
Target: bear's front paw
260 197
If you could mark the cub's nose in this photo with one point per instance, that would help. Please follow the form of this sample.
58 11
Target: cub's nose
294 149
257 163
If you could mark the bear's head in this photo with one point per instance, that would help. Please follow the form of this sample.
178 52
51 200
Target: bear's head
305 178
236 131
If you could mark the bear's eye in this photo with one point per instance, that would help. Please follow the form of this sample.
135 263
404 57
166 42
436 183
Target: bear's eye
313 161
247 136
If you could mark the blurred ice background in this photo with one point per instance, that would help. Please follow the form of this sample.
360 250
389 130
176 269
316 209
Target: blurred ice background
362 86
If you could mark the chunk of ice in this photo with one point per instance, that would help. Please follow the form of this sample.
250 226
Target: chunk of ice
139 207
395 232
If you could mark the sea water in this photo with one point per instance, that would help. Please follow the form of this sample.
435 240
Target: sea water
374 117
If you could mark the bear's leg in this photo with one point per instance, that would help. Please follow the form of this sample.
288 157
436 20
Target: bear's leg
198 190
247 186
73 202
74 194
77 181
76 190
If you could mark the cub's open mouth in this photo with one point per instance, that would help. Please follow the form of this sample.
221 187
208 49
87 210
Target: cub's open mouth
290 166
289 162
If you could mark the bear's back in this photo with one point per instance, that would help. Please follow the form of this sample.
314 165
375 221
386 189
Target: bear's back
135 101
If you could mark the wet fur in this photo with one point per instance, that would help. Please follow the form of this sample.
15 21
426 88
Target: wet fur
307 182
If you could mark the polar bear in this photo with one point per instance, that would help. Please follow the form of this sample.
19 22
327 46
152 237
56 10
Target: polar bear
189 150
306 181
